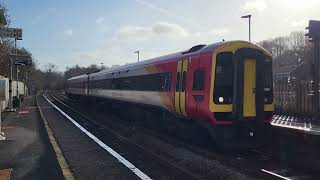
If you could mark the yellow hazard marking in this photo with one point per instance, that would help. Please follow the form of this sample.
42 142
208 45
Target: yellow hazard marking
180 96
183 93
231 47
249 81
177 93
66 171
8 127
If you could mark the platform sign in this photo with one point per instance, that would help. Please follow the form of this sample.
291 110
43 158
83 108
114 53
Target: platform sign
23 62
11 33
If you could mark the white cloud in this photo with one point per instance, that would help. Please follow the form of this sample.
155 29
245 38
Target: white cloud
298 5
164 28
299 23
156 30
154 7
99 20
134 32
153 40
162 10
109 55
68 32
296 23
167 30
254 5
219 31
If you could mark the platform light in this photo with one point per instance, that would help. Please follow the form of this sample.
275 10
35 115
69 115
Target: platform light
249 17
138 52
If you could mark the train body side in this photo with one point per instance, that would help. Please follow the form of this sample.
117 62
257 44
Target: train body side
180 83
78 86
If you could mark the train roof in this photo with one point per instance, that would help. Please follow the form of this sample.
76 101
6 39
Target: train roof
83 76
170 57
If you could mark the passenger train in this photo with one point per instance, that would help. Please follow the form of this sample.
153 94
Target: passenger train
226 85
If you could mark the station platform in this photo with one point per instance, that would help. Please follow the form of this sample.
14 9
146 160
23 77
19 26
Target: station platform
305 125
85 156
26 153
41 143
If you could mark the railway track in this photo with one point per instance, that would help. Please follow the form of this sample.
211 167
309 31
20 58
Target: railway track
256 169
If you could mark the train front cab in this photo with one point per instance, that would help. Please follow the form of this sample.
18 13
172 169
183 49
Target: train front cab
241 94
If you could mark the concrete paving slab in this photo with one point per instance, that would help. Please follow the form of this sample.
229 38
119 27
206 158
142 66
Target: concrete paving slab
27 150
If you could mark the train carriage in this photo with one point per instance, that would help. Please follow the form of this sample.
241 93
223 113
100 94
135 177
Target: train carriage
223 84
78 86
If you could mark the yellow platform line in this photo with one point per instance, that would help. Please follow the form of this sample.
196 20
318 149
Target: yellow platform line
65 168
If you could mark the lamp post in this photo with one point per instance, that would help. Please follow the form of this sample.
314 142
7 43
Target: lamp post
138 52
249 17
17 82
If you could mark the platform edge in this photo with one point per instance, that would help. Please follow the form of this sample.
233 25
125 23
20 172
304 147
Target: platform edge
65 168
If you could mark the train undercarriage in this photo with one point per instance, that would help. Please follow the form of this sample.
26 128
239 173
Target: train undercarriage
237 136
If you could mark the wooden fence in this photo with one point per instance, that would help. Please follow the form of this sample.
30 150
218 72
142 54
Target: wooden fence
293 98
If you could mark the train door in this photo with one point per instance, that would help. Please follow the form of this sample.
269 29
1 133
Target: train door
249 84
180 90
196 90
192 95
87 85
249 88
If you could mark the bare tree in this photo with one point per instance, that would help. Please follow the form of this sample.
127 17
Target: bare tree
77 70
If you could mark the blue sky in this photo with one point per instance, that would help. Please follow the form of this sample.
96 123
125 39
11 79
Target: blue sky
69 32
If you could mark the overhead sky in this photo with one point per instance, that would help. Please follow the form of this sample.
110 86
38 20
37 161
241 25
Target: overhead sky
70 32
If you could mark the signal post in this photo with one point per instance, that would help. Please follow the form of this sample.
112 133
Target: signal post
314 37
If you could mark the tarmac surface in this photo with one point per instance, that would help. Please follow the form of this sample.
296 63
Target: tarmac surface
27 152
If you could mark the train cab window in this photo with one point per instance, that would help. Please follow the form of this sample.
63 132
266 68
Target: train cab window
198 80
223 83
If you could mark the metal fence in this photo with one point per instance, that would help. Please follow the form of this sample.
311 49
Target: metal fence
293 98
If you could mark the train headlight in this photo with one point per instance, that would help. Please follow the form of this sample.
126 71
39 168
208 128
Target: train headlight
221 99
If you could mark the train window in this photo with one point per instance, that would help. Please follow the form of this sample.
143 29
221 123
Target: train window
149 82
93 84
178 82
198 80
167 82
223 83
183 85
113 84
107 84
